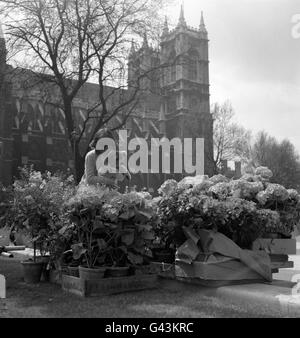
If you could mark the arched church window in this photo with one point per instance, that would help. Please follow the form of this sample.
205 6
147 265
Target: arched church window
172 106
30 117
193 65
194 104
37 123
173 73
58 122
172 66
17 114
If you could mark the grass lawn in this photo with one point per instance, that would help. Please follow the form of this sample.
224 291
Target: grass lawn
48 300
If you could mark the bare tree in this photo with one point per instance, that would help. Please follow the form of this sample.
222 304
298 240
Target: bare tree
231 141
69 42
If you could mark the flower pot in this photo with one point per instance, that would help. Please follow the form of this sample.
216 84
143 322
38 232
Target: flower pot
45 274
91 273
32 271
73 271
117 271
46 270
55 276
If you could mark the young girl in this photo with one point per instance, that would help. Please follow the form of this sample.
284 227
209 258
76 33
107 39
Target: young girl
94 176
90 176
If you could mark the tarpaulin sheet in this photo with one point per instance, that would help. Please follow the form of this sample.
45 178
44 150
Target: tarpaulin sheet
212 255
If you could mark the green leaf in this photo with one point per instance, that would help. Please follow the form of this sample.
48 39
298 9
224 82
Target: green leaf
84 211
78 250
128 237
98 224
135 259
146 214
123 248
128 214
145 227
62 230
101 244
139 243
148 235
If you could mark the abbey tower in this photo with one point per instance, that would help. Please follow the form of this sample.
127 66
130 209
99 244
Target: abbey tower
183 82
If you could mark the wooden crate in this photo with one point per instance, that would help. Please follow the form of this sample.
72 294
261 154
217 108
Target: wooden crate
73 285
107 286
280 262
210 283
276 246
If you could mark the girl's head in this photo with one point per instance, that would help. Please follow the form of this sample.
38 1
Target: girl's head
102 133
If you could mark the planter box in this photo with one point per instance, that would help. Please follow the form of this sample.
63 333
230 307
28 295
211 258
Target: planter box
281 265
280 262
276 246
107 286
55 276
228 270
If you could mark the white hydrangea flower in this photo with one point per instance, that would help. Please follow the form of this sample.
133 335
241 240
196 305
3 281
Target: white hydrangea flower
264 172
277 191
168 187
218 179
293 194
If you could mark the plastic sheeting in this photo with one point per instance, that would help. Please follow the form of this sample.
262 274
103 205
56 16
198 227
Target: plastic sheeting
210 255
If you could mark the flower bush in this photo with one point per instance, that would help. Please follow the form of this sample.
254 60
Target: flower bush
242 209
37 204
96 226
111 228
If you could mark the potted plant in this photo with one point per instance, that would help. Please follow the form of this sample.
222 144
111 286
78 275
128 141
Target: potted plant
129 233
88 248
112 232
34 267
164 244
36 207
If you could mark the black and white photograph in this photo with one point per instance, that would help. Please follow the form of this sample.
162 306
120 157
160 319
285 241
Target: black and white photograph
149 162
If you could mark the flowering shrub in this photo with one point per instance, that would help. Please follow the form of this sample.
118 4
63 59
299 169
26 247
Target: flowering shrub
37 203
242 209
111 228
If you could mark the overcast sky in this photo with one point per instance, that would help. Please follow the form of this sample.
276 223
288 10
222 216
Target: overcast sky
254 60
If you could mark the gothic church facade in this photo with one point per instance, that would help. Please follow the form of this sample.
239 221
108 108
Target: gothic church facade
177 104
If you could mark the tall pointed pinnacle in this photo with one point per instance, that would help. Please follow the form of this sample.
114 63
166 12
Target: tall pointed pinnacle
166 27
132 48
181 22
145 41
202 24
3 51
1 32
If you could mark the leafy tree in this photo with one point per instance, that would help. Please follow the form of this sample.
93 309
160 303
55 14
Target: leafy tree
231 141
280 157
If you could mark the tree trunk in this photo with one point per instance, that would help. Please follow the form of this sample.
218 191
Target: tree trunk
78 163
